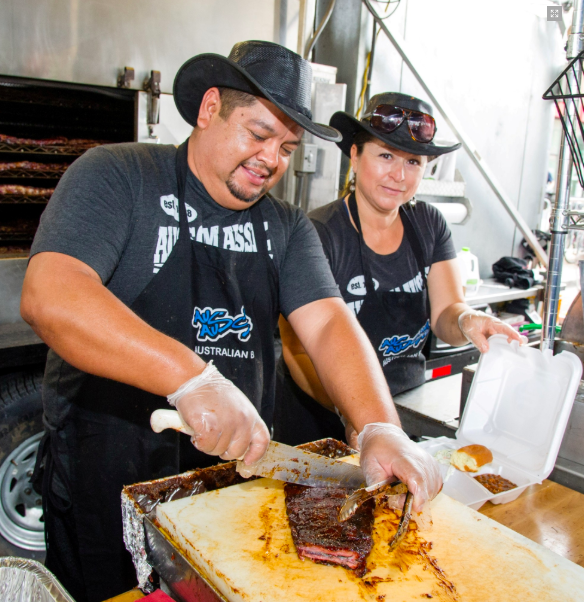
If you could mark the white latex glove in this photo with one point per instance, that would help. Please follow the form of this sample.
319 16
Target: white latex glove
477 327
386 451
225 422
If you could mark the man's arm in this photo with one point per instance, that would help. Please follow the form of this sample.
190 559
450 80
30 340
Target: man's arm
66 304
350 372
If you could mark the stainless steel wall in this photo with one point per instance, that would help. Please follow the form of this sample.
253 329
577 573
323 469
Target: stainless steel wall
88 41
491 62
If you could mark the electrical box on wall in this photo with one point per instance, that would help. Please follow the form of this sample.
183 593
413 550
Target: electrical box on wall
322 185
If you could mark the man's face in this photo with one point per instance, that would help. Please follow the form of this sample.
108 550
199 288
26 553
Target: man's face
238 159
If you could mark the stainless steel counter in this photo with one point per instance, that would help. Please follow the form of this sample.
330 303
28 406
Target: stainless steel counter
433 409
492 291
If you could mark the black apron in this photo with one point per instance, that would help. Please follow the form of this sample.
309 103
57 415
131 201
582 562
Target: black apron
397 324
220 303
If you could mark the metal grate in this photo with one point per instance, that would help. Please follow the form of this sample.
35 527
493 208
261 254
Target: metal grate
567 92
30 174
22 198
62 149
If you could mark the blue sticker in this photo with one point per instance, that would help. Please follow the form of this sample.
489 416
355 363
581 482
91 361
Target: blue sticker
397 344
213 324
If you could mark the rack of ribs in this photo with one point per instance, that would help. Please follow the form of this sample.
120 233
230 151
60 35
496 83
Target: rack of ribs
317 533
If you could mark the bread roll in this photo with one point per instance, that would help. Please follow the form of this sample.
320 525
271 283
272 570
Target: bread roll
471 457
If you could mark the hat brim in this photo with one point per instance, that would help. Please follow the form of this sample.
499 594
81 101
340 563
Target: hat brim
400 138
206 71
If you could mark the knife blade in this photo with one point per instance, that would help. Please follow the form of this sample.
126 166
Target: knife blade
281 462
285 463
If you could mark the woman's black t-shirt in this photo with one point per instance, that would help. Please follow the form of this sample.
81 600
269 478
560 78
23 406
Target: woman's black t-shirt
397 271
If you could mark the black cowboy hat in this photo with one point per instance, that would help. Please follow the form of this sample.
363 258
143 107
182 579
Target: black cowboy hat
399 138
258 68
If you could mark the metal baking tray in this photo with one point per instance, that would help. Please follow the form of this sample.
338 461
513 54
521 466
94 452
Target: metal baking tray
151 547
24 580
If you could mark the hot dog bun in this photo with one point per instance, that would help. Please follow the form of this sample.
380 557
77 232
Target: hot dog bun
471 457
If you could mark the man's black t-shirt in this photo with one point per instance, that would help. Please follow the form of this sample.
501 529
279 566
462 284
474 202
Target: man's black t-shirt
397 271
116 210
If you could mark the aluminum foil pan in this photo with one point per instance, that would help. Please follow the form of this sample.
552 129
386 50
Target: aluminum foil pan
24 580
139 501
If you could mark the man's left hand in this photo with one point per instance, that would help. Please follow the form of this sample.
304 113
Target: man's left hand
386 451
478 326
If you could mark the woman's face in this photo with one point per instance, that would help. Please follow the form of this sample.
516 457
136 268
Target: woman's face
386 177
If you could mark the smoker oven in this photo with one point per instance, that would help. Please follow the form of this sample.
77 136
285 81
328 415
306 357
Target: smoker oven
40 110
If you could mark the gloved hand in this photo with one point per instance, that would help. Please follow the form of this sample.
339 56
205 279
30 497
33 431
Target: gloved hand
386 451
225 422
478 326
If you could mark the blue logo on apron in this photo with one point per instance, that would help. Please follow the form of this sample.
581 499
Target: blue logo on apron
397 344
213 324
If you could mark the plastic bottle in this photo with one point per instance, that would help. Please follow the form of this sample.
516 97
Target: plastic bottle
469 270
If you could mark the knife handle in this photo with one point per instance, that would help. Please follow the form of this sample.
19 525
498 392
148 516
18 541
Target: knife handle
169 419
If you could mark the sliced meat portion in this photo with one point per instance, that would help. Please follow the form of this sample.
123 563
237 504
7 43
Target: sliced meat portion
317 533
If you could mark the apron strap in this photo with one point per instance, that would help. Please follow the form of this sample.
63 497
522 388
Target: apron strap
414 241
409 232
182 170
48 451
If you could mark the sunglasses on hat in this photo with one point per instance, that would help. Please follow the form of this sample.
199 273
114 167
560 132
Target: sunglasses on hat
387 118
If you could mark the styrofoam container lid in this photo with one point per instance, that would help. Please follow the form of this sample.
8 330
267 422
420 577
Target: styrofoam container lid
519 404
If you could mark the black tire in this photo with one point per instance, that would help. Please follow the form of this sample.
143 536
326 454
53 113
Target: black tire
21 523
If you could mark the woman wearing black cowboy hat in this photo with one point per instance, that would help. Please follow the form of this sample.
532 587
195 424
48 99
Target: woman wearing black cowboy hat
393 259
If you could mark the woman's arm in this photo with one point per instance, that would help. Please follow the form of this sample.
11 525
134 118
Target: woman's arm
447 307
446 301
301 367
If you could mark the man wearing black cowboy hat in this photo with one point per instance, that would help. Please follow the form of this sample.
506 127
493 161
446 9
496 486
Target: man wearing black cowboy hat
160 274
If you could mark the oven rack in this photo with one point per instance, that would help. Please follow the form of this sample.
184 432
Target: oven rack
36 174
17 236
24 199
57 149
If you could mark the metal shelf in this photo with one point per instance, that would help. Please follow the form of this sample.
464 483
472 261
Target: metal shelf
17 236
440 188
57 149
22 199
35 174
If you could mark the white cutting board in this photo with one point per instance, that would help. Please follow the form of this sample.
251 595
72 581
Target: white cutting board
240 540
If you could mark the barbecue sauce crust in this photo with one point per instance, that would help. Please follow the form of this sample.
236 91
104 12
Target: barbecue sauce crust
317 533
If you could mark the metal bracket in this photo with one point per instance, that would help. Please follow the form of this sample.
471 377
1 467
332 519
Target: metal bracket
575 220
126 77
152 87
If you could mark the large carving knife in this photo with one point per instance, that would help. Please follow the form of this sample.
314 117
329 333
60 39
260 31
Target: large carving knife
281 462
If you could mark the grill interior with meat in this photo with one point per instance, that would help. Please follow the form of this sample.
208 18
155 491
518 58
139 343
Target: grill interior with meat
44 127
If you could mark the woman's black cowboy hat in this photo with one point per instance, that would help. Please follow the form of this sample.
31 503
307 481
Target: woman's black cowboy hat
258 68
399 138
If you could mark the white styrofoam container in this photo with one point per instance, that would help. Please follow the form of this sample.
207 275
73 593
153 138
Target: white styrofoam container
518 406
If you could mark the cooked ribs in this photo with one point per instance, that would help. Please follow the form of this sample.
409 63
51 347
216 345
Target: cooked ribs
317 533
80 143
25 190
33 166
